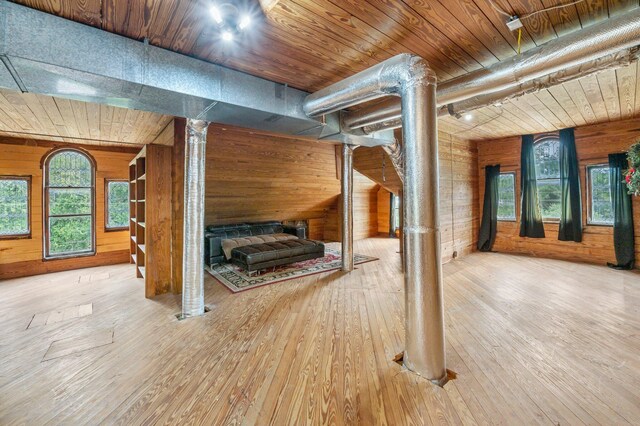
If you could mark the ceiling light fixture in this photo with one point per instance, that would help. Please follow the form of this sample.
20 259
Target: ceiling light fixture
230 20
468 117
244 22
215 13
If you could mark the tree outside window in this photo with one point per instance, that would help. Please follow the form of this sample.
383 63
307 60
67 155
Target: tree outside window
547 160
15 221
116 204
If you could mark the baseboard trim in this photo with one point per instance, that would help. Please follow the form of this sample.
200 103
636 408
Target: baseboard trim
28 268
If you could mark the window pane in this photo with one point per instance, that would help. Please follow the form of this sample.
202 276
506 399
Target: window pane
14 207
600 191
117 204
69 201
547 159
69 168
506 197
549 198
69 235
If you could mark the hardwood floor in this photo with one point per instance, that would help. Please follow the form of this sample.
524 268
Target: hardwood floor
531 340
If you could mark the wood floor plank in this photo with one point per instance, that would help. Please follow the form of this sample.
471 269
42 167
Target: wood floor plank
533 341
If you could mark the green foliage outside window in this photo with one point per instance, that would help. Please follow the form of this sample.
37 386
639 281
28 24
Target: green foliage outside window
14 206
506 197
117 204
547 159
600 193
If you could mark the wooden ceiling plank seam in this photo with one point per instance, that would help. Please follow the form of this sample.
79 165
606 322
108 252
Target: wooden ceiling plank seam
7 123
626 78
565 20
550 102
543 110
500 121
560 94
106 119
334 15
618 7
499 22
118 122
93 118
376 18
315 23
575 91
339 15
66 112
592 11
522 127
35 107
481 27
442 20
10 111
593 93
17 103
80 113
169 25
412 21
527 109
608 83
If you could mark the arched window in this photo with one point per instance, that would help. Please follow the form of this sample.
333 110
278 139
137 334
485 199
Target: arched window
69 197
547 159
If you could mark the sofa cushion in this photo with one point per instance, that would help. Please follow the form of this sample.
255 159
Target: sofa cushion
271 251
229 244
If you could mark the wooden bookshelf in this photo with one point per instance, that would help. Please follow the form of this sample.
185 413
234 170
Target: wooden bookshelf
150 212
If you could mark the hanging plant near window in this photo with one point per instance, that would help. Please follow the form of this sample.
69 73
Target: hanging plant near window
632 176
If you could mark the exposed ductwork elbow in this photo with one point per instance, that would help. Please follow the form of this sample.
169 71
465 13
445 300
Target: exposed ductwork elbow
386 78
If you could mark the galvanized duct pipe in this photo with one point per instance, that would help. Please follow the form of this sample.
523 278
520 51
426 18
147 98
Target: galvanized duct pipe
410 78
617 60
193 239
394 151
347 207
601 39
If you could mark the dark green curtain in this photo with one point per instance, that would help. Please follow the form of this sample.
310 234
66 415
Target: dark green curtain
571 210
530 217
488 226
622 213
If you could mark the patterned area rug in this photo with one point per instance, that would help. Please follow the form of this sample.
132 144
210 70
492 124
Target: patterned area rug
236 279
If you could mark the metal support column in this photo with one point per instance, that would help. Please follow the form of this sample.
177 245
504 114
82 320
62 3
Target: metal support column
347 207
193 239
424 321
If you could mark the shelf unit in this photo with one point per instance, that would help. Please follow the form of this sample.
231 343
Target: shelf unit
150 213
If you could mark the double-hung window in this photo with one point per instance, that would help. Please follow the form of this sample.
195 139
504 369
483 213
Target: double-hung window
69 197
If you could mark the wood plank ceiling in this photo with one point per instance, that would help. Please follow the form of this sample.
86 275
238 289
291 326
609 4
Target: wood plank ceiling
27 115
309 44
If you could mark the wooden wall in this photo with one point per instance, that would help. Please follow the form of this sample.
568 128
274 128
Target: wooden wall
23 257
384 211
365 211
253 176
593 144
458 190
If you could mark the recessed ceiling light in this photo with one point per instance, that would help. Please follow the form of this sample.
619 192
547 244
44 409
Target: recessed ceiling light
227 36
215 13
468 117
244 22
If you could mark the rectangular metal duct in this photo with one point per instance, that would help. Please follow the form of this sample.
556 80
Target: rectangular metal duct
57 57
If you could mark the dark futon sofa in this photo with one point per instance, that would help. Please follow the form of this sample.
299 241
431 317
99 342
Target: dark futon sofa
256 246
